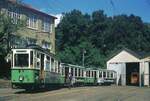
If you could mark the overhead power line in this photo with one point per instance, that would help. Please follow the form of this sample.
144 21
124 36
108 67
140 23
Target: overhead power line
113 6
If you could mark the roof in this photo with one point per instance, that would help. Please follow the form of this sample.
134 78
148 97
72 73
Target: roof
127 50
73 66
26 6
137 54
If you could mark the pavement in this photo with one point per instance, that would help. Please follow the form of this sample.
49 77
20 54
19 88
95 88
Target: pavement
5 83
90 93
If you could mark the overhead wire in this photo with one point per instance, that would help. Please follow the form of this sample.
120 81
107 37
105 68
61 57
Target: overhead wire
50 6
113 6
58 4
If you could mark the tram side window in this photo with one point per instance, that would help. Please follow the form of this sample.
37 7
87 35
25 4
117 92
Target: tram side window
108 74
79 72
92 73
56 66
111 75
47 63
75 71
38 60
59 71
72 71
63 71
52 65
89 73
21 60
31 58
100 74
82 73
104 74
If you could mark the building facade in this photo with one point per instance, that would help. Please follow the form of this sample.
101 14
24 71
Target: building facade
39 30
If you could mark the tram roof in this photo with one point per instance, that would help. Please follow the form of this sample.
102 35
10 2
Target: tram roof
35 47
99 69
71 65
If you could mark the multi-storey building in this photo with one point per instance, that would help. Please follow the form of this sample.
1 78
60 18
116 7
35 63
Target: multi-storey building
39 30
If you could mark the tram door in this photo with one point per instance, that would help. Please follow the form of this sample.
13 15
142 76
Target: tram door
42 67
66 74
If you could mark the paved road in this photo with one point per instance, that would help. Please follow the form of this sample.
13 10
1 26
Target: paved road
100 93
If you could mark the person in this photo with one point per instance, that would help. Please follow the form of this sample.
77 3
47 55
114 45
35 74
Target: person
70 80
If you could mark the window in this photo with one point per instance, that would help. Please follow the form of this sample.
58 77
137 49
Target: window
92 73
14 14
89 73
31 59
100 74
104 74
38 60
17 42
79 72
47 63
52 65
82 73
111 74
59 68
63 71
21 60
46 25
72 72
108 74
32 22
75 71
56 66
46 45
30 41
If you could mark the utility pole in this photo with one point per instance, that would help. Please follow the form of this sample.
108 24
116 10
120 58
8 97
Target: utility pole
83 57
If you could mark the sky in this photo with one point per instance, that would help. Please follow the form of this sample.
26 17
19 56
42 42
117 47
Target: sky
111 7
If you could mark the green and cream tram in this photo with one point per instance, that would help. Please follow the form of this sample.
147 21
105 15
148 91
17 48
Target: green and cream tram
35 67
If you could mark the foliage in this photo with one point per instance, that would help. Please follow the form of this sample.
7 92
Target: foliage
99 35
7 27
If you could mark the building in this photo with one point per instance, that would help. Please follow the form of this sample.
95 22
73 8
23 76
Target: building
133 68
39 30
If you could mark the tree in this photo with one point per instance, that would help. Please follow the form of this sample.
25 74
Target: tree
7 27
100 36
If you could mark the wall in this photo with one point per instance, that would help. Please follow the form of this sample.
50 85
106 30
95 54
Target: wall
38 34
120 69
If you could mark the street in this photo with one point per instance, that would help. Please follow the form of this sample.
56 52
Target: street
94 93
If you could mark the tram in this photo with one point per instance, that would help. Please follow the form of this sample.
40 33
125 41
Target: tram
34 67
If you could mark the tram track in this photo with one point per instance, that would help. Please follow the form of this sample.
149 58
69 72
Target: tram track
59 93
96 93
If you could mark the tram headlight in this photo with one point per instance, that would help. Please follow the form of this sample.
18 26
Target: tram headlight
21 78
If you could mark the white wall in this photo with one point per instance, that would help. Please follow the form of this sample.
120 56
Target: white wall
120 68
146 73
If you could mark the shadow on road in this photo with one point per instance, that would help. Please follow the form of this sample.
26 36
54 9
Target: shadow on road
28 91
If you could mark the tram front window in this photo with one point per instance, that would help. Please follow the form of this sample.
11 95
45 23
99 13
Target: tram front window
21 60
